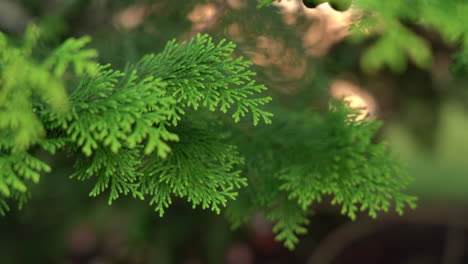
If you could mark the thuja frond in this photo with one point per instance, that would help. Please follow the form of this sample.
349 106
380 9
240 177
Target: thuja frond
202 73
115 118
116 110
346 163
360 174
72 52
118 172
17 169
201 168
290 221
23 78
311 156
139 131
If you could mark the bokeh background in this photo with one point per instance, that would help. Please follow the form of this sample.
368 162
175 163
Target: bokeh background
297 52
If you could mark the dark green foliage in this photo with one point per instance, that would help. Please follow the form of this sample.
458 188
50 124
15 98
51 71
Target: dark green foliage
310 157
347 165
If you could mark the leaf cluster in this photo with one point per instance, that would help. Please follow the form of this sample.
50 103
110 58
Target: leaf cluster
159 130
311 159
133 131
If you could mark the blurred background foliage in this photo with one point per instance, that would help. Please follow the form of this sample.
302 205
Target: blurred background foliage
304 56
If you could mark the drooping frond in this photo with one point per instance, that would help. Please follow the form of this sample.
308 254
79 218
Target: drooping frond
117 110
311 156
118 172
201 169
203 73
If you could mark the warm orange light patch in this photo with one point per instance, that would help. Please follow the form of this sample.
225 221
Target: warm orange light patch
290 10
202 16
357 97
130 17
235 33
236 4
329 27
285 62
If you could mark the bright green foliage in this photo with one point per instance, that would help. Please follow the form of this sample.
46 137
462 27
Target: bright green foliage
122 126
393 48
201 168
158 130
26 82
310 157
396 42
202 73
118 172
290 222
116 110
17 169
348 166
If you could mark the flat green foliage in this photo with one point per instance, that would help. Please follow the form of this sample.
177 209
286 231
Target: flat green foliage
157 130
129 130
348 166
201 168
312 157
209 77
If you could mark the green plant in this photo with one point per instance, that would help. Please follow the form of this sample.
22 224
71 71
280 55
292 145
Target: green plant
158 129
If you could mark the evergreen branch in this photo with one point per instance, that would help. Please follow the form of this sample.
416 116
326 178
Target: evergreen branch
202 73
200 168
72 52
17 168
118 172
290 221
350 167
115 110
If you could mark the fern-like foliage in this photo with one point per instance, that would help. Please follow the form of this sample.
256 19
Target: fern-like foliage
132 131
26 84
349 166
202 73
310 157
116 110
201 168
158 130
